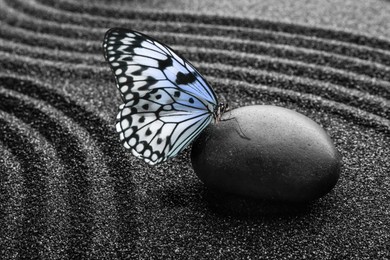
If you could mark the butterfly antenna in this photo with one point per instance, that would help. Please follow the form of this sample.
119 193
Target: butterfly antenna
239 130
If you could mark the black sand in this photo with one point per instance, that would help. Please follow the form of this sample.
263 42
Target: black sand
69 190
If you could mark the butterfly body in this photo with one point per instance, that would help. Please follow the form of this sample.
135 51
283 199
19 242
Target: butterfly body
167 103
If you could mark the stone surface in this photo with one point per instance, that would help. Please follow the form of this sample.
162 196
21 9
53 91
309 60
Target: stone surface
269 153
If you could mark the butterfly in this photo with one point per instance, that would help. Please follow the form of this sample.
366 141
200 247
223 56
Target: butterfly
167 103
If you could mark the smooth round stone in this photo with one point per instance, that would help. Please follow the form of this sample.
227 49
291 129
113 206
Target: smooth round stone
269 153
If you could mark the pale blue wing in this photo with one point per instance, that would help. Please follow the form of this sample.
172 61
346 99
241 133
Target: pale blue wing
166 101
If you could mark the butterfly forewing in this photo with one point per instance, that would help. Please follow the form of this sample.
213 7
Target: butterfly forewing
167 103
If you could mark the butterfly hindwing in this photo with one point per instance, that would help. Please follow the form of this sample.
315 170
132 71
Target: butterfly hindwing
167 103
156 131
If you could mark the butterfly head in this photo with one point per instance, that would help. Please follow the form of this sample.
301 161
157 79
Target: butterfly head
220 109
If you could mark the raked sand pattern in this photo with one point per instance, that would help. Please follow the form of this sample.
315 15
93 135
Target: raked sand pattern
68 189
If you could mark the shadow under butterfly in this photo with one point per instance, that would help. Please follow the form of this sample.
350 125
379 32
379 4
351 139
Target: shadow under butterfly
167 103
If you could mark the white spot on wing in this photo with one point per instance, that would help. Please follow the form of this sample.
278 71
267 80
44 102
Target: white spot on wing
147 153
139 147
124 88
132 141
125 124
129 96
125 111
128 132
118 127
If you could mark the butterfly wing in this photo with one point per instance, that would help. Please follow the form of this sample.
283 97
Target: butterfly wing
167 103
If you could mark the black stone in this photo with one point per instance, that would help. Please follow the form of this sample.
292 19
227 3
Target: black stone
268 153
